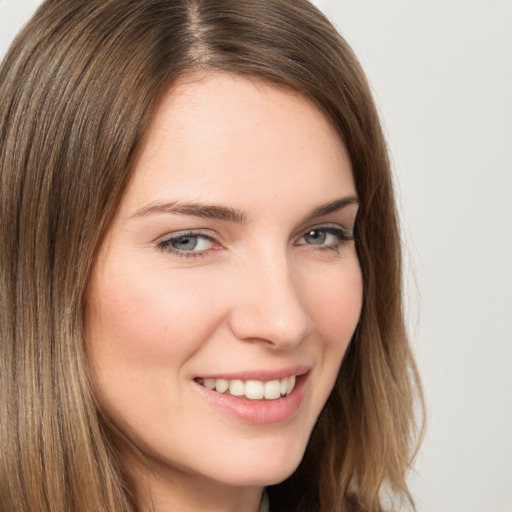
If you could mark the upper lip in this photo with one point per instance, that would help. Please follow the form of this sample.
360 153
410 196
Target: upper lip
261 374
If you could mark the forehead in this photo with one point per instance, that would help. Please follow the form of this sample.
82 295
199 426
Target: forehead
222 134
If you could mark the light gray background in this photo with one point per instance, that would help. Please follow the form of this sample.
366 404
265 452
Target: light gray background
441 71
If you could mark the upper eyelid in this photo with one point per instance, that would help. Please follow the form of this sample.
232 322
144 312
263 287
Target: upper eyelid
325 225
165 244
208 233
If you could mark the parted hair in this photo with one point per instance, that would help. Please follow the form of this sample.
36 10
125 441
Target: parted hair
78 89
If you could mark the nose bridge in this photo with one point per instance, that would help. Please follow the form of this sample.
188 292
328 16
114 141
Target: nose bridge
270 306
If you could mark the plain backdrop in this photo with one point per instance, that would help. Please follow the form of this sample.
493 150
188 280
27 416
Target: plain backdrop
441 71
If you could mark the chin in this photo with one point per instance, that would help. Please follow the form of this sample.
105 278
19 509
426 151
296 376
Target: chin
263 467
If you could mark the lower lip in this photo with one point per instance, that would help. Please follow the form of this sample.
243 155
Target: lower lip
258 412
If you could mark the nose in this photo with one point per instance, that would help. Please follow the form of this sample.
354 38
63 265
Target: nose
269 303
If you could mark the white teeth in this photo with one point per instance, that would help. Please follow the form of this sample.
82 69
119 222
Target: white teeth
272 390
291 384
209 383
252 389
221 385
236 387
283 386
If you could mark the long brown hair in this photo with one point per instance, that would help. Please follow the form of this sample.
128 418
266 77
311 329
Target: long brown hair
78 89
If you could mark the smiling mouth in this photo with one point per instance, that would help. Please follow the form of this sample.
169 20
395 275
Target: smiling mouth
251 389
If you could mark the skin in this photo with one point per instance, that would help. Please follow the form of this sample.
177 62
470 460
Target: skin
258 293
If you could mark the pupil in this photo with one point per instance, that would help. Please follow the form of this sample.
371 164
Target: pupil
315 237
185 243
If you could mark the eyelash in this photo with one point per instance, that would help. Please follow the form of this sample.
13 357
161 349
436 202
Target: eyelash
342 237
166 245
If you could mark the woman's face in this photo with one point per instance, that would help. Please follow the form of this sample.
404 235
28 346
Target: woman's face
229 263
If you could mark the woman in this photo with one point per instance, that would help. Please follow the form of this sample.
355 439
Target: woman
190 311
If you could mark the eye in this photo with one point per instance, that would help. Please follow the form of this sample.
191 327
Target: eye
188 244
325 237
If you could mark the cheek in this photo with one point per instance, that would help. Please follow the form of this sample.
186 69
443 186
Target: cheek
335 307
335 304
145 315
141 331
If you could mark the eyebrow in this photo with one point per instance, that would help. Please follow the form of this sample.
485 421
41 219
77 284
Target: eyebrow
332 207
224 213
207 211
